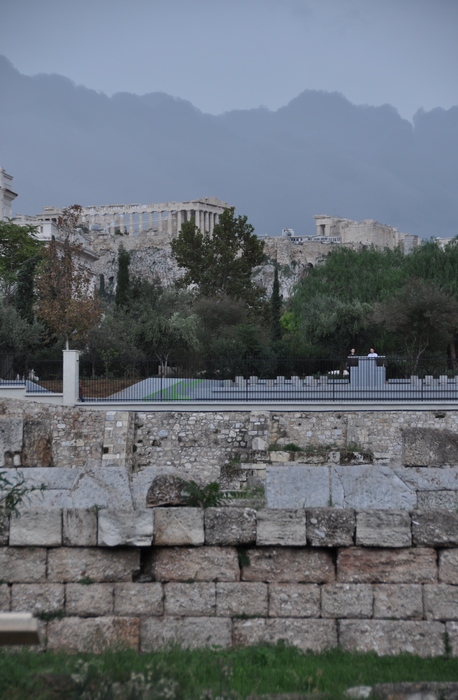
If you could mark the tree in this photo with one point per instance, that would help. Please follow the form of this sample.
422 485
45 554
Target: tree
221 264
17 245
275 310
122 278
16 334
24 298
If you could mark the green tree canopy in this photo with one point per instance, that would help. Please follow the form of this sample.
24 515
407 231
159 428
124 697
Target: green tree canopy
17 245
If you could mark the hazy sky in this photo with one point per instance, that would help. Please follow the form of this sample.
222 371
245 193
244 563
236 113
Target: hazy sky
231 54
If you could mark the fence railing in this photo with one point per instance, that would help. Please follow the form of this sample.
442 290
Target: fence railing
38 375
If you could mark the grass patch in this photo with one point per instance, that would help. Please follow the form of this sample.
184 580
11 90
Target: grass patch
185 675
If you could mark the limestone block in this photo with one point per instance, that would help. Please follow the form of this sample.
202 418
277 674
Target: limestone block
281 527
435 528
402 601
38 598
20 629
39 528
279 456
424 447
166 490
294 600
241 599
190 599
11 432
91 600
132 528
330 527
230 526
191 564
74 634
306 634
22 565
37 450
79 527
389 637
288 565
178 526
346 600
138 599
4 530
187 632
440 602
365 565
297 486
5 597
98 565
382 528
259 445
368 486
437 500
429 478
452 633
448 566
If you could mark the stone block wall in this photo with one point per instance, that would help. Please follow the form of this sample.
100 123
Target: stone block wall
317 578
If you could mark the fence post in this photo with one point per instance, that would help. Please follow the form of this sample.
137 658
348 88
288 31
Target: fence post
71 376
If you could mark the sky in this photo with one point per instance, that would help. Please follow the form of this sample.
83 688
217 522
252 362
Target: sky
241 54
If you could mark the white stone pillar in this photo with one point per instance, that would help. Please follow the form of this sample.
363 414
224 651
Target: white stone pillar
197 218
71 377
169 223
159 221
179 220
131 224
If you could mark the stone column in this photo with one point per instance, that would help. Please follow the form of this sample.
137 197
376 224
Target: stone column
179 220
150 220
159 221
71 376
197 218
169 223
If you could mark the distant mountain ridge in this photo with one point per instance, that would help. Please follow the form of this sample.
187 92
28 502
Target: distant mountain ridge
319 154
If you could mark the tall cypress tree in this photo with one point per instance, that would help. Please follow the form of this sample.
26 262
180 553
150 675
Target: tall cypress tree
275 309
122 295
24 297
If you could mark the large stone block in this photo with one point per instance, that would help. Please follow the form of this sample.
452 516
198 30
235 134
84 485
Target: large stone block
440 602
138 599
424 447
363 486
22 565
437 500
401 601
91 600
36 528
178 526
297 486
11 432
281 527
190 599
5 597
74 634
187 632
132 528
347 600
330 527
37 450
235 599
97 565
79 527
382 528
448 566
306 634
389 637
191 564
230 526
365 565
38 598
294 600
452 634
288 565
435 528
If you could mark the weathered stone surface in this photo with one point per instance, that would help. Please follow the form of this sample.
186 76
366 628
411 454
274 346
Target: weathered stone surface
37 449
98 565
38 598
382 528
128 527
22 565
427 479
178 526
402 601
11 430
365 565
40 528
427 690
452 632
188 632
5 597
91 600
230 526
138 599
189 599
281 527
166 490
241 599
347 600
294 600
79 527
93 635
388 637
437 500
288 565
363 486
424 447
440 602
190 564
313 635
330 527
435 528
297 486
448 566
4 530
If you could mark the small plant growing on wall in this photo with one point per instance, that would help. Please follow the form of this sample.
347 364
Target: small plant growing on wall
13 492
209 496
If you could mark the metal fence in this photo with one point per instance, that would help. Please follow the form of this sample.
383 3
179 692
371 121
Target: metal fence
38 375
